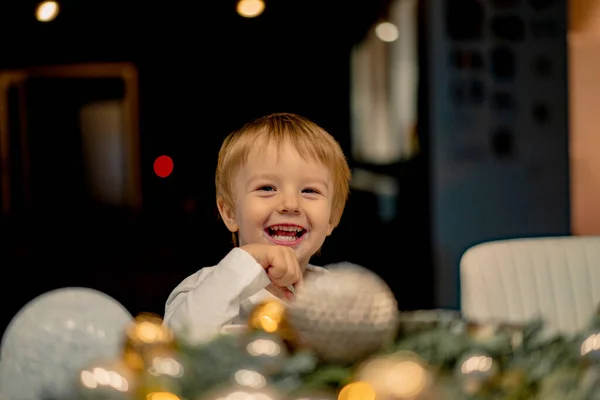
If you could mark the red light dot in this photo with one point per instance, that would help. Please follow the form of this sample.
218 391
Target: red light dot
163 166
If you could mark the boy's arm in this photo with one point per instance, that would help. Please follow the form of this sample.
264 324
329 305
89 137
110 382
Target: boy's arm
210 299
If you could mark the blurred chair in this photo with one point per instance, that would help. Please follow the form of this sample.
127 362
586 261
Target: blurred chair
556 279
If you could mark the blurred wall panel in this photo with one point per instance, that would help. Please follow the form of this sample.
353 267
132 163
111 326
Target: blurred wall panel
384 90
102 130
372 139
498 127
584 97
404 77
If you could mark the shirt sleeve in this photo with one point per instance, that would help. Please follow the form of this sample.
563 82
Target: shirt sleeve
201 305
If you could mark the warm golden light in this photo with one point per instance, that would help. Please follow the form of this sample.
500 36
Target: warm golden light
250 8
268 316
408 379
148 328
162 396
357 391
401 376
46 11
387 31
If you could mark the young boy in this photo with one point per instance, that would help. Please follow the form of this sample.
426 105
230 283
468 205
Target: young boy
282 184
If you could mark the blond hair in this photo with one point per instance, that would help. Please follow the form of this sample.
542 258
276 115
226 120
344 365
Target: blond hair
309 139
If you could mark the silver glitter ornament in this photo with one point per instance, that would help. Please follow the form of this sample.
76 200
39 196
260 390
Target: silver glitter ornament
54 336
344 314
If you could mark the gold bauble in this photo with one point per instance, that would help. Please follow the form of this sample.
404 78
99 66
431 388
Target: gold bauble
146 332
398 376
271 316
148 328
357 391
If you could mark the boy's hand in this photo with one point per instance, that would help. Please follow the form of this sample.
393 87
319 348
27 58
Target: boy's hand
280 262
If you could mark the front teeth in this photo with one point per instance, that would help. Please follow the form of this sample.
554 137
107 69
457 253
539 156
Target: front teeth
286 228
284 238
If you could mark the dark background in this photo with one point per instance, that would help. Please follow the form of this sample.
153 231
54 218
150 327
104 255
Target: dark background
204 71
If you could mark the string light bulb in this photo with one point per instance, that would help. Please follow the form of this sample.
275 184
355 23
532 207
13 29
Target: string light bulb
46 11
250 8
387 32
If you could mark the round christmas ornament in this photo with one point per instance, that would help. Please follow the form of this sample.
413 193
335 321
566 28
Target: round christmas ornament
145 334
55 335
357 391
270 316
344 314
399 376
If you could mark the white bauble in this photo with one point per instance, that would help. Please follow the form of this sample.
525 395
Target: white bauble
55 335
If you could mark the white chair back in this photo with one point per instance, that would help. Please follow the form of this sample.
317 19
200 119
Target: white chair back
514 281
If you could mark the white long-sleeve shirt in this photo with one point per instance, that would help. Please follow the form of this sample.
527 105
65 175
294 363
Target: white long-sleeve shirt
219 298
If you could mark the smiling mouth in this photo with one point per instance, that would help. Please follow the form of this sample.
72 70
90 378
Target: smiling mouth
285 233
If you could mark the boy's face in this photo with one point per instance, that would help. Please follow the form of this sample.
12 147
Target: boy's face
281 198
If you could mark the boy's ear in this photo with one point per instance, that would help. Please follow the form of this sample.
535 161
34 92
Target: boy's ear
331 226
227 214
330 229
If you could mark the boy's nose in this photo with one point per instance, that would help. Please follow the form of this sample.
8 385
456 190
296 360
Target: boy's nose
289 204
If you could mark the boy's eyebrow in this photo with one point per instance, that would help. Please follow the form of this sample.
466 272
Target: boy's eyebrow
271 177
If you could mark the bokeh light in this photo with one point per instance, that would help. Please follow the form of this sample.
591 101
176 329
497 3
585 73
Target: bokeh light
46 11
163 166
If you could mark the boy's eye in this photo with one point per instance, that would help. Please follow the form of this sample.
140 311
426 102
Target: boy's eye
266 188
310 191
